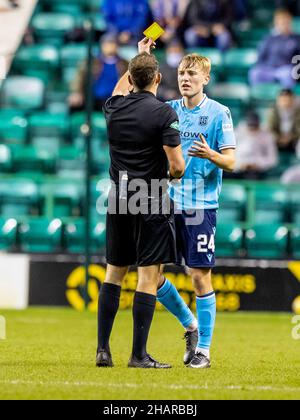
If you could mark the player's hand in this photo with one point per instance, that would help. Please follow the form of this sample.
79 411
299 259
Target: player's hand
146 45
201 149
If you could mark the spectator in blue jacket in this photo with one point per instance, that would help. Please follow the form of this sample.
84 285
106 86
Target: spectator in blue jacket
276 54
127 19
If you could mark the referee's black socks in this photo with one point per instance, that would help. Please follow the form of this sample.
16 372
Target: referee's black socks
143 311
109 299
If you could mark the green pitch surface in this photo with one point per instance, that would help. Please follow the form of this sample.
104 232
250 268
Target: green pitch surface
50 353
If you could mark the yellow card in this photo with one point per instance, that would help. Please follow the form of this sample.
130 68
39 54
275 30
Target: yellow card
154 31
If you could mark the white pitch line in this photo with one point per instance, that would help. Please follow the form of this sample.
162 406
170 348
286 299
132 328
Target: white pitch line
172 387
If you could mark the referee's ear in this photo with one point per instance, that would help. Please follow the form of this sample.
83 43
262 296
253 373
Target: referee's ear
158 78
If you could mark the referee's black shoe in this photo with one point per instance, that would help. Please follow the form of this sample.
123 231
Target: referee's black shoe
104 359
147 363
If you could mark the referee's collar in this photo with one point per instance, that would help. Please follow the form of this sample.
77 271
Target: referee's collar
142 91
199 106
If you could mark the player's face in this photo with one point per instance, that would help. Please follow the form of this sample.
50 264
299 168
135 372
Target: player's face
191 80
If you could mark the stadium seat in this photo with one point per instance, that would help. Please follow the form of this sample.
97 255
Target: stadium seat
251 38
232 203
5 158
40 61
237 63
71 162
98 124
61 199
295 207
13 127
264 94
229 240
271 204
23 93
233 95
32 159
267 241
48 131
18 197
295 242
213 54
40 235
8 234
75 236
72 56
296 25
51 28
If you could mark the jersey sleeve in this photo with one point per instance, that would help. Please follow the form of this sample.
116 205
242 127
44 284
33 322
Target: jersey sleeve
170 127
226 136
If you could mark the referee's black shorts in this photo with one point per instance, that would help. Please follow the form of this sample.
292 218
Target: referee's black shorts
142 239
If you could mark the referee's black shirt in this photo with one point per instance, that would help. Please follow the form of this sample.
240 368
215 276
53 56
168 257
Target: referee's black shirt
139 125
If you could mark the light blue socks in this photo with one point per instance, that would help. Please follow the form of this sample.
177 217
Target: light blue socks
169 297
206 312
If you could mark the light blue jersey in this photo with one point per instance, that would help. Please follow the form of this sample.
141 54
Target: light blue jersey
201 185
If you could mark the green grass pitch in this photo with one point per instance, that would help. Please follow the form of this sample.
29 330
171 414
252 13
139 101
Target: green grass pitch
50 354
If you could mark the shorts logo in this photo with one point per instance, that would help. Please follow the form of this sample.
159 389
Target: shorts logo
203 121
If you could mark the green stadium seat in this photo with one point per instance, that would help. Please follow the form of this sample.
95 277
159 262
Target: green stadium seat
251 38
237 63
8 234
62 199
232 203
233 95
213 54
264 94
229 240
271 204
295 207
74 237
23 93
18 197
5 158
48 131
40 61
13 127
71 7
267 241
98 124
70 161
72 56
51 28
295 242
32 159
40 235
296 25
99 188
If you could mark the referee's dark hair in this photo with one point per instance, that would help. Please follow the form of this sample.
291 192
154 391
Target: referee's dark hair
143 69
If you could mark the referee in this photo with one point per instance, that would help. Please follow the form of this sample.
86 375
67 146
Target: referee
144 143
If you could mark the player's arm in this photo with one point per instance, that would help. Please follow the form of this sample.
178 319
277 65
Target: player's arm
176 161
224 160
124 86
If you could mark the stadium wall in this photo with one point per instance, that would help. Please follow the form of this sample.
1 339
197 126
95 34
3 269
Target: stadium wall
59 280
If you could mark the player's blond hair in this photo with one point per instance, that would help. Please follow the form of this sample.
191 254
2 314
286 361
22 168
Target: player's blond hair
196 60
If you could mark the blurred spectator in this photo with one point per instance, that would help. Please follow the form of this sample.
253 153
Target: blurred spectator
292 5
256 149
285 121
276 53
108 67
207 23
127 19
169 14
169 89
8 5
291 176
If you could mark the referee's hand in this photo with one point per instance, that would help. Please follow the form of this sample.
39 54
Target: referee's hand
146 45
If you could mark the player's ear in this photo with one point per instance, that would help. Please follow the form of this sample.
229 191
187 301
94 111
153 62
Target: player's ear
130 80
206 79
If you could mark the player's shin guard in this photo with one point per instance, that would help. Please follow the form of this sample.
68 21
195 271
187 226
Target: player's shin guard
109 299
206 311
169 297
143 311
